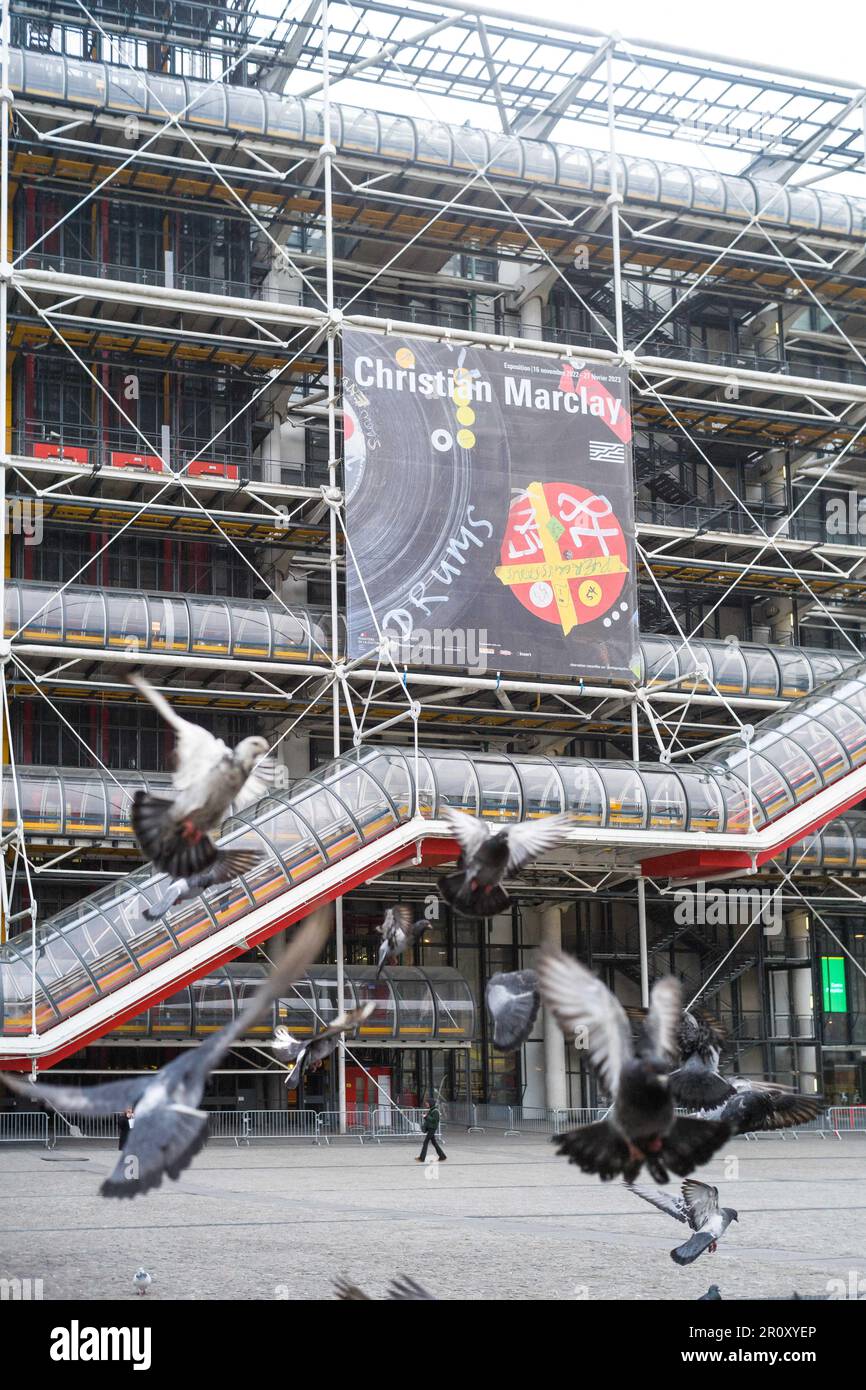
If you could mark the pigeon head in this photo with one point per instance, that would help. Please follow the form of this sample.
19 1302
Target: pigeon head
250 751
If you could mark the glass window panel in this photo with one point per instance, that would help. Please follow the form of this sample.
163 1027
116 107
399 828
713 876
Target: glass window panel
709 192
666 799
741 197
213 1003
539 161
15 992
127 91
167 94
330 821
575 168
456 783
643 179
659 657
211 629
835 213
246 110
763 673
792 761
85 82
704 798
119 798
415 1009
169 623
41 802
62 974
676 185
365 801
507 158
796 673
471 151
820 744
41 624
729 668
246 984
584 792
500 789
805 210
291 636
172 1017
296 1009
251 630
847 725
44 75
360 130
626 795
83 805
285 116
391 771
84 613
207 104
768 784
455 1010
837 846
433 142
12 613
101 948
772 201
543 792
127 620
291 837
397 136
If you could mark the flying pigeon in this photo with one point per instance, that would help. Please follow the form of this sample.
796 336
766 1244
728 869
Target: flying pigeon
398 933
208 777
696 1084
309 1054
169 1128
512 1001
641 1125
228 865
402 1290
488 853
698 1207
754 1106
142 1281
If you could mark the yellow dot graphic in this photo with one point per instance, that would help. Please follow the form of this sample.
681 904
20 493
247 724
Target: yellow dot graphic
405 357
589 592
465 416
461 395
465 438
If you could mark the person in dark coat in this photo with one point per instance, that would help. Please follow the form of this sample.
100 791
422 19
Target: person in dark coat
127 1120
430 1124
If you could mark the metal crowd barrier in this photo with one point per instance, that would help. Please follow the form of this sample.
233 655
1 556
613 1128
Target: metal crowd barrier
245 1125
520 1119
24 1127
846 1119
377 1123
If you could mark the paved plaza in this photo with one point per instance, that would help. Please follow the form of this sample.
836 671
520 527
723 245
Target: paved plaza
503 1218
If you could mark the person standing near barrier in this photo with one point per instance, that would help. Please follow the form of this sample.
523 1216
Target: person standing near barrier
430 1125
127 1120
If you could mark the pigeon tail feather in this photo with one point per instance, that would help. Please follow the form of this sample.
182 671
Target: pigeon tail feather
472 902
688 1252
690 1143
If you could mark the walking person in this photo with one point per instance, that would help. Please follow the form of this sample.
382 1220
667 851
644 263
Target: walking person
430 1125
127 1120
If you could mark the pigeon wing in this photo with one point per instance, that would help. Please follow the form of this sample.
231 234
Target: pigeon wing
260 782
531 838
671 1203
195 748
662 1024
701 1202
472 833
165 1141
587 1011
110 1099
512 1001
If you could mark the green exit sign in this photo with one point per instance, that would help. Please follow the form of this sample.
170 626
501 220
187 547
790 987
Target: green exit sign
833 981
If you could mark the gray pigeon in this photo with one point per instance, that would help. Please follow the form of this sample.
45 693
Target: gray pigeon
712 1295
398 933
308 1055
641 1126
698 1207
512 1001
169 1128
403 1290
490 852
208 777
228 865
696 1084
141 1281
757 1106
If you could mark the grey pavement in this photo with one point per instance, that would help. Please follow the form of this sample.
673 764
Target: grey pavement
504 1218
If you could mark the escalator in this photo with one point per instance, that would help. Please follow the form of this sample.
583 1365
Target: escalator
377 808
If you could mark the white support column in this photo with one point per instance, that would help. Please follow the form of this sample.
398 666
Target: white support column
555 1078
